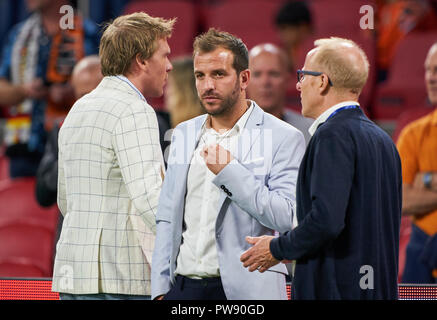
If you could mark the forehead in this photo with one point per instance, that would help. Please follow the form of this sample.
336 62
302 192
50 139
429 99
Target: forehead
265 61
431 59
162 47
220 58
309 58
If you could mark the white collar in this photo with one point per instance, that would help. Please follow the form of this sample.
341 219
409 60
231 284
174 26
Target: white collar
325 115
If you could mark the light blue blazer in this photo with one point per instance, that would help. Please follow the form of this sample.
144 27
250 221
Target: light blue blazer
257 198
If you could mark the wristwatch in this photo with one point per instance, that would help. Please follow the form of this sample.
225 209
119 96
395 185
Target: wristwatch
427 180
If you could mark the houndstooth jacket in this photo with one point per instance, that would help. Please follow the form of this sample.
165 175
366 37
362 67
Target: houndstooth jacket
109 179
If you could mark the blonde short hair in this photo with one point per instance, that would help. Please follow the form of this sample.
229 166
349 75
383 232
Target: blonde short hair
346 74
186 104
129 35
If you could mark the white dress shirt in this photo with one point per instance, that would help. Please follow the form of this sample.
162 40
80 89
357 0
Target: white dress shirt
198 254
325 115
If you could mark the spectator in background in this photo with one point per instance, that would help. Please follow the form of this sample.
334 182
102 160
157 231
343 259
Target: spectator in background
294 24
181 98
395 20
85 77
268 85
417 146
34 78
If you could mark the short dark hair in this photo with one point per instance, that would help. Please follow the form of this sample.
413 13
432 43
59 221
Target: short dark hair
293 13
213 39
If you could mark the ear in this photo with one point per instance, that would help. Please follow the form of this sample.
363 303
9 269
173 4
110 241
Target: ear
244 79
141 63
324 83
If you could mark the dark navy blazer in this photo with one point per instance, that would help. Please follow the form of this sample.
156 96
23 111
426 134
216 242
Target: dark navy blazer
349 200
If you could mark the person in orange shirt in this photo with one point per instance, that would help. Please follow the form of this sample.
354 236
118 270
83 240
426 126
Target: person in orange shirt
417 146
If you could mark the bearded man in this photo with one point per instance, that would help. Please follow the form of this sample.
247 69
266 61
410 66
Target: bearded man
231 172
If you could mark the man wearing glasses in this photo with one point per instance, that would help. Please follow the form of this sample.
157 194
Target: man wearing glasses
349 191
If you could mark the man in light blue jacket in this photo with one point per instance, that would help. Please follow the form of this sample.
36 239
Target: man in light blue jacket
231 174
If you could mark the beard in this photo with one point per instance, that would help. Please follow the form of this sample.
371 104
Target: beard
227 102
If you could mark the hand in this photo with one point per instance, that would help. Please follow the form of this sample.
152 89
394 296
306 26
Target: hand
216 157
159 297
35 89
259 256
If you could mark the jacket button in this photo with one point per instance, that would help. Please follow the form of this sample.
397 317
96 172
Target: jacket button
230 194
222 187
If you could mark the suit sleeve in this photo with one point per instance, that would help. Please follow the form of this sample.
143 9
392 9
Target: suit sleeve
272 203
136 145
61 197
332 172
163 242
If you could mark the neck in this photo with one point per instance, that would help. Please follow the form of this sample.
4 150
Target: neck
227 120
136 81
326 106
332 100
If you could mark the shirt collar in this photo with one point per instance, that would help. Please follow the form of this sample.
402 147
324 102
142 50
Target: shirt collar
325 115
125 79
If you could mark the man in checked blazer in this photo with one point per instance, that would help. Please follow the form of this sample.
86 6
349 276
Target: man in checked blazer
110 167
230 173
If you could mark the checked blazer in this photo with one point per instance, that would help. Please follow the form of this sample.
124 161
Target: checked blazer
109 179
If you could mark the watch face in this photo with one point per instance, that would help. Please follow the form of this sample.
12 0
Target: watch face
427 178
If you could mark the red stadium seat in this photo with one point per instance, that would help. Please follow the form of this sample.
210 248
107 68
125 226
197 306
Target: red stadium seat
20 268
4 167
256 27
408 116
27 231
17 198
405 85
28 246
338 16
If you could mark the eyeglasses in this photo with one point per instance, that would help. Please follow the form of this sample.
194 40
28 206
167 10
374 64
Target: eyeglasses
301 74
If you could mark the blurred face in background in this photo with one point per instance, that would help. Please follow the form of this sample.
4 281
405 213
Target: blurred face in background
269 81
38 5
431 75
85 81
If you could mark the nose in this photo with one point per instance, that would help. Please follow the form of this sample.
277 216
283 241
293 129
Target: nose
208 84
169 66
